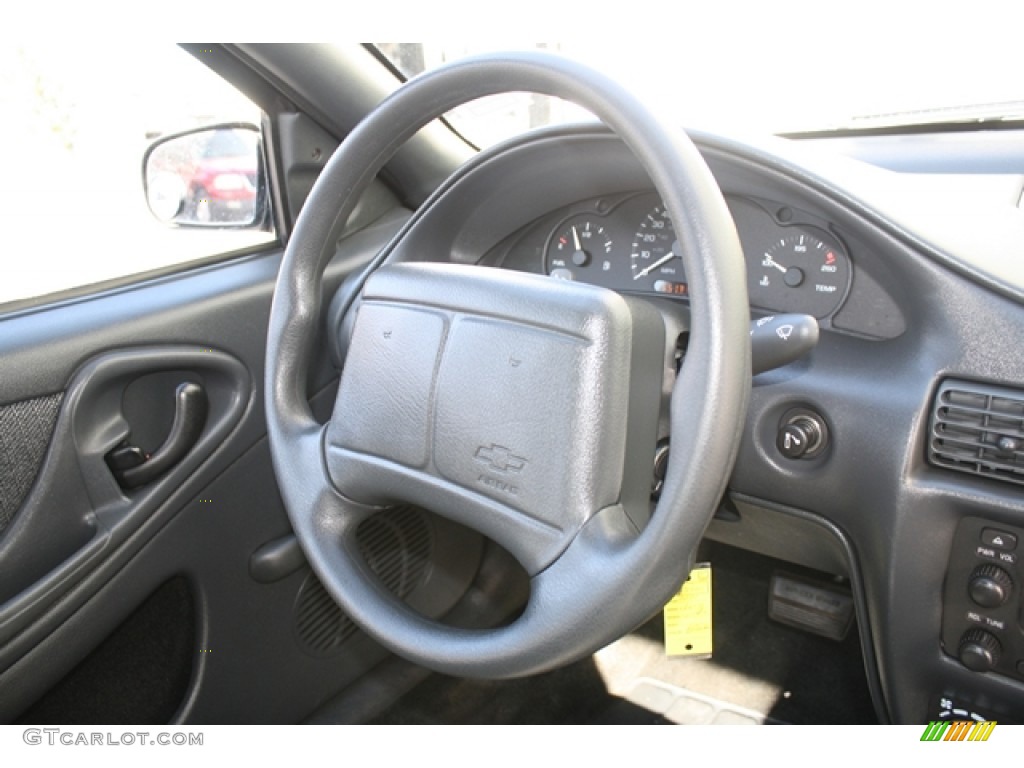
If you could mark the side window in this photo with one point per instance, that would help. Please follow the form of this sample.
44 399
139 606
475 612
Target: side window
77 123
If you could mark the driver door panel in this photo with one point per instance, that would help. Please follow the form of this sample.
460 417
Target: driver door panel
184 599
95 579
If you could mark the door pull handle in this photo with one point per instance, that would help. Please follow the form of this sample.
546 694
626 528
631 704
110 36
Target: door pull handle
134 468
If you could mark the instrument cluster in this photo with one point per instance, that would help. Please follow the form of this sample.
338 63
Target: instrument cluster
630 245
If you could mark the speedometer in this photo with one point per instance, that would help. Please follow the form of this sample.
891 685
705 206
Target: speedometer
656 263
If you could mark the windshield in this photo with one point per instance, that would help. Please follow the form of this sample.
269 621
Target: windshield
778 73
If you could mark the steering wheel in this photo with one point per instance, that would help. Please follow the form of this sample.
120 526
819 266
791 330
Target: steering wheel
439 402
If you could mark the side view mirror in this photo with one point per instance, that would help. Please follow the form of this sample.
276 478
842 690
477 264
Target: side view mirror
207 177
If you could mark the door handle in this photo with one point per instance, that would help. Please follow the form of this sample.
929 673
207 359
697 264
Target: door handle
134 468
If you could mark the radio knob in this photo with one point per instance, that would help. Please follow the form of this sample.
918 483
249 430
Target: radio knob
979 650
989 586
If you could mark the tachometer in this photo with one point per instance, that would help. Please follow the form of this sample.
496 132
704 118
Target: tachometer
802 273
656 262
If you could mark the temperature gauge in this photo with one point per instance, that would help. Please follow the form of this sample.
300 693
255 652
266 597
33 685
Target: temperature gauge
802 273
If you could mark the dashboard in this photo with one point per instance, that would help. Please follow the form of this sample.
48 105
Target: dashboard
908 277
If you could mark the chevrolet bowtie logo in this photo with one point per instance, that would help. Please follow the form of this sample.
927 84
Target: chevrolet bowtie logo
499 458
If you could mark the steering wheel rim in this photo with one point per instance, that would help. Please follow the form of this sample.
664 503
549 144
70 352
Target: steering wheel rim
608 579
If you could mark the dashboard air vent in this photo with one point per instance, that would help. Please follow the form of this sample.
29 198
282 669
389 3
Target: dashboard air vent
979 429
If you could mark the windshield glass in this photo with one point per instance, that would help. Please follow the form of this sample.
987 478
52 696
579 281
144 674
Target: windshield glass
773 72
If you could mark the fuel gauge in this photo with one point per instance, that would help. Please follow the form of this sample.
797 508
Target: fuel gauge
581 249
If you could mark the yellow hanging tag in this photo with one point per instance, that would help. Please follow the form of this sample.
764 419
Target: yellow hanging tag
688 616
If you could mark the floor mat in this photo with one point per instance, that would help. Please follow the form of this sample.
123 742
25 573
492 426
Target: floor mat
683 707
758 665
761 672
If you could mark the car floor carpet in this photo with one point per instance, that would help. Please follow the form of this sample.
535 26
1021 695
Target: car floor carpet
760 672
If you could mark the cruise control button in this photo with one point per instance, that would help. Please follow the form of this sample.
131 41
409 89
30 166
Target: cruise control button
996 539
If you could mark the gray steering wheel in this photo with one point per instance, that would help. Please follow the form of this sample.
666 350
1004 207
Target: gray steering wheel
437 404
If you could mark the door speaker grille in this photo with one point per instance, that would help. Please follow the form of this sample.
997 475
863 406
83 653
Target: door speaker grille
978 429
25 431
397 545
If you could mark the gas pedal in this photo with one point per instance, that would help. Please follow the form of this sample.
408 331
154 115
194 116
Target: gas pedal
821 607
